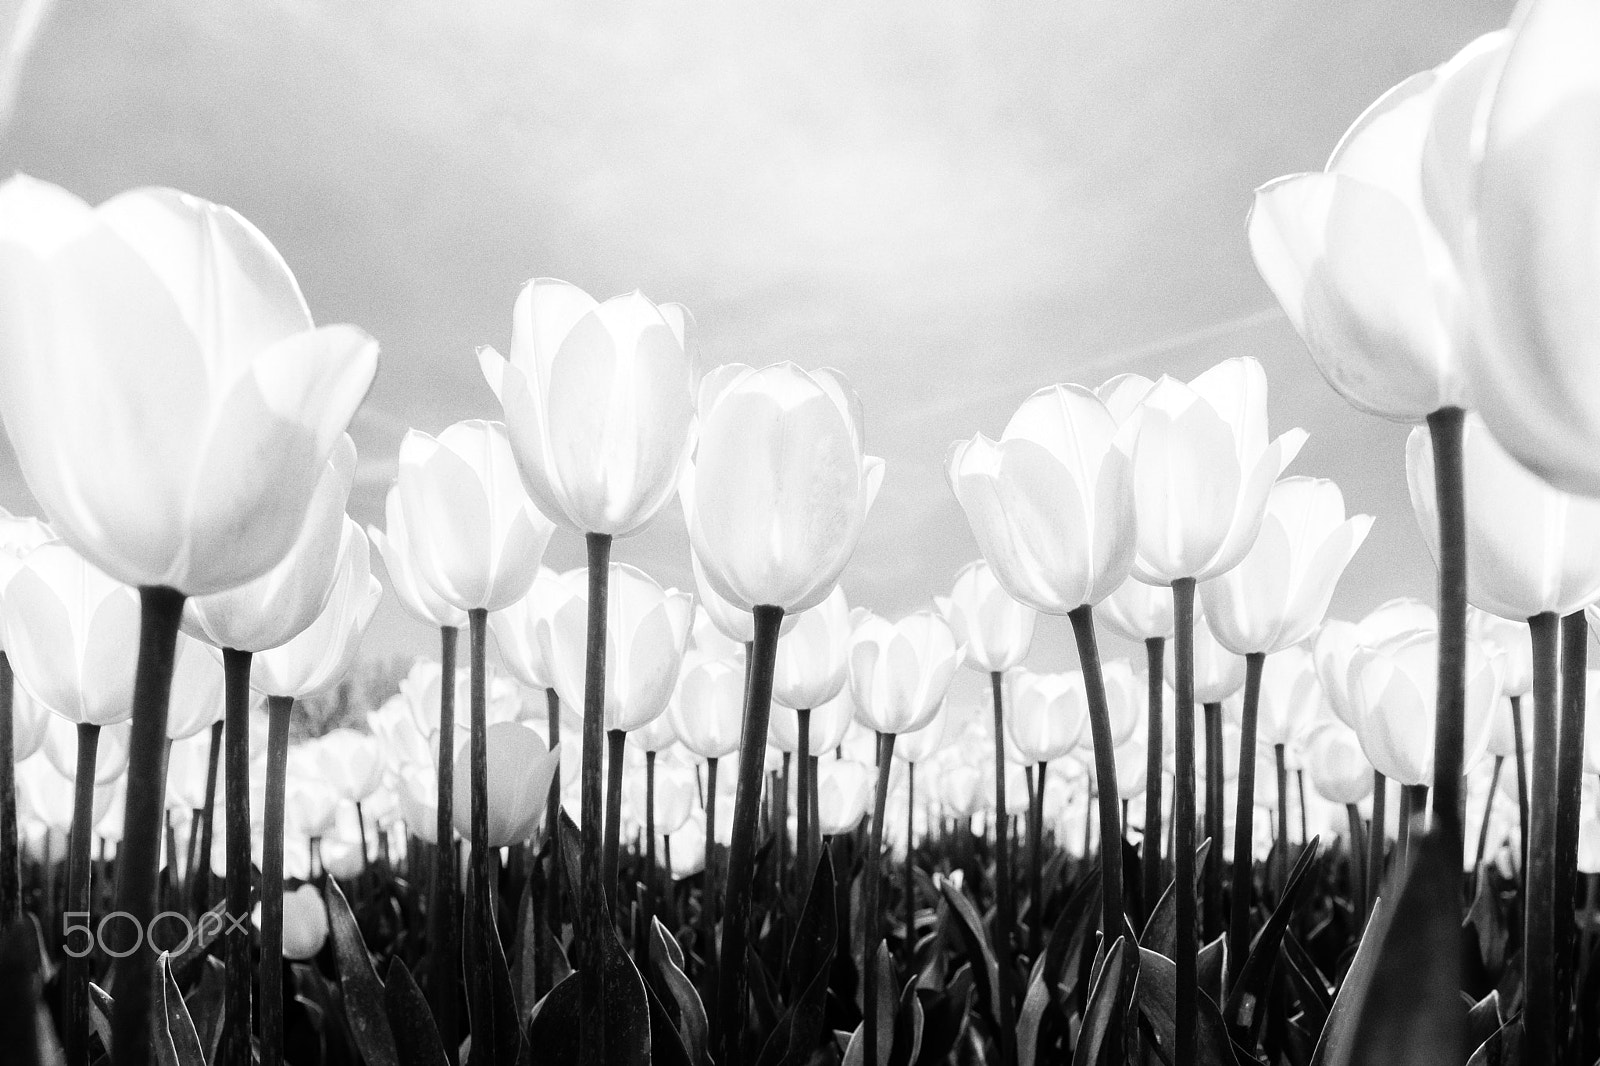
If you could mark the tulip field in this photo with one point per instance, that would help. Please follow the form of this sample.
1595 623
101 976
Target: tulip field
609 822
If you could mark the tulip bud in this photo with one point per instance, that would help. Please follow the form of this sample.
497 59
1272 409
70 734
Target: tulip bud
320 656
515 629
1051 503
844 792
1511 642
1291 697
995 629
925 743
1047 716
598 401
410 587
1137 611
813 656
1218 671
520 771
350 762
1202 470
1279 592
707 711
1337 766
305 923
829 724
170 404
900 671
1530 548
778 489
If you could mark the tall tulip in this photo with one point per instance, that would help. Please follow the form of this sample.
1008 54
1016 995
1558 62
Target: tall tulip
312 662
809 670
171 406
17 537
520 771
995 629
598 401
1051 506
775 498
1202 474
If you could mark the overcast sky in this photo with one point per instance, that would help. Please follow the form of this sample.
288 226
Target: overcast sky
955 202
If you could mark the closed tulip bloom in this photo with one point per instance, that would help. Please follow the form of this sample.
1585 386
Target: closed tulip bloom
813 656
647 634
656 735
1133 768
598 400
961 787
1394 688
476 537
708 711
1530 547
29 719
515 628
350 762
830 722
996 630
61 749
271 609
1359 254
1137 611
1337 766
844 793
1203 470
779 486
1279 592
1218 671
1048 715
1338 641
1510 641
1051 502
305 923
734 623
72 635
520 771
18 537
170 403
676 797
900 671
925 743
410 587
1291 697
1126 699
1535 249
324 651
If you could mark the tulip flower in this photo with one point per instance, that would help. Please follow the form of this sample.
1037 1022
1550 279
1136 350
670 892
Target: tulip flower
171 406
18 536
520 771
411 587
812 662
1202 471
995 629
844 791
900 671
1048 715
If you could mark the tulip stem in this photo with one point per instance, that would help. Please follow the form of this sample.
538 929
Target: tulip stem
278 710
445 969
731 978
803 853
871 887
1445 429
1006 907
910 879
1569 797
235 1046
1244 811
1522 788
1036 864
592 900
10 867
160 611
1112 922
1488 805
1281 856
1154 657
616 739
1377 837
1183 815
1408 813
78 972
200 877
1539 914
552 821
1358 880
815 845
708 876
650 875
1214 820
483 864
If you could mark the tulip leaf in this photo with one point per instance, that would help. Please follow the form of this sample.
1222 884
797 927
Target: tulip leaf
1487 919
26 1032
554 1026
1502 1048
908 1022
666 1046
1031 1019
491 1003
1158 1001
1309 989
1339 1028
807 969
100 1010
1406 1007
363 993
943 1016
1108 1003
172 1030
985 969
1484 1019
627 1009
1210 964
205 1004
667 957
207 928
1161 931
416 1038
1247 998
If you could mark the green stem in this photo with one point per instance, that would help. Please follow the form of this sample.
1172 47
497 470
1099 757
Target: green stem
10 865
731 978
278 709
871 886
1183 815
1522 788
202 876
804 856
1539 914
234 1049
1281 874
1112 922
1488 805
593 917
615 741
651 876
910 889
445 972
1569 797
1244 813
78 972
708 876
1377 838
483 863
160 611
1444 426
1006 907
1214 821
1035 864
1154 657
552 821
1358 881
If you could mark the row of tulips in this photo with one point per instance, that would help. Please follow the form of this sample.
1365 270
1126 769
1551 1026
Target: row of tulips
181 422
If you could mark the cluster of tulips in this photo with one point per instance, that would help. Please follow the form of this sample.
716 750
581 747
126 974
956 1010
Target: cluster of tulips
657 829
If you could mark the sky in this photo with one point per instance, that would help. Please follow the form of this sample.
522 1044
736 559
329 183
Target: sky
954 202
